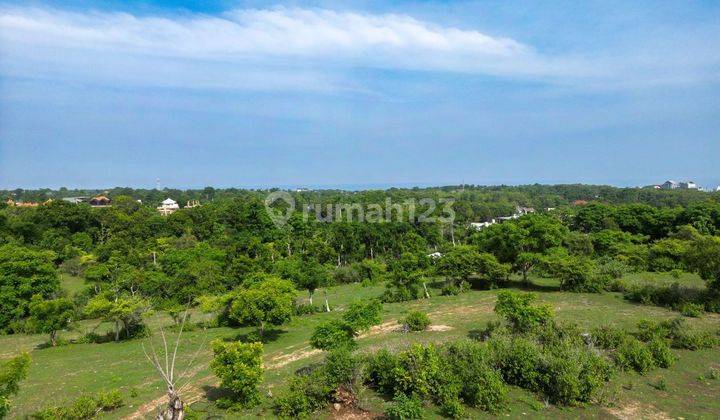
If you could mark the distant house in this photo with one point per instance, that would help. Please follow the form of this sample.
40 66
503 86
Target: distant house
673 185
482 225
100 201
168 206
579 203
435 255
75 200
12 203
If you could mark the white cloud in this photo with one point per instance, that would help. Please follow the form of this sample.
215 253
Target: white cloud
288 49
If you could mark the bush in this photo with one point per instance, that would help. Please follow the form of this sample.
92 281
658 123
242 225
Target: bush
634 354
239 367
311 391
307 309
84 407
680 334
693 310
453 289
379 371
417 321
661 352
481 385
404 408
518 360
361 316
518 310
333 334
607 337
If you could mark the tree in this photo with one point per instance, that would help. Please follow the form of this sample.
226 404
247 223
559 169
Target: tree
11 373
459 263
333 335
525 262
50 316
267 302
363 315
175 409
24 273
703 256
121 310
518 310
307 274
239 367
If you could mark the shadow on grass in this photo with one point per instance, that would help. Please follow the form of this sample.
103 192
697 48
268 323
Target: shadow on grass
215 393
253 336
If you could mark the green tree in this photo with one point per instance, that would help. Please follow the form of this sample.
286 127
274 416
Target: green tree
518 310
24 273
525 262
51 316
239 367
267 302
11 373
703 256
122 310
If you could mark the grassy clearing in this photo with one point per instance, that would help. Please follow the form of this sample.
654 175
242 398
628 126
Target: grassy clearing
60 374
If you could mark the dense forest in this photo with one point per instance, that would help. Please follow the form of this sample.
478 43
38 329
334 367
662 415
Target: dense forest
227 257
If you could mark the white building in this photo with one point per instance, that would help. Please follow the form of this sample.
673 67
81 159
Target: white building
168 206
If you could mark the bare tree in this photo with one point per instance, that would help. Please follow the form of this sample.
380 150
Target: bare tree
175 409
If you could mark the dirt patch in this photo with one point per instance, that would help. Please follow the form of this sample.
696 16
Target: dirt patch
635 410
284 359
351 413
439 328
384 328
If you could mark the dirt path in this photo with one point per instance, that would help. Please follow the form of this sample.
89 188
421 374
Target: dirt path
635 410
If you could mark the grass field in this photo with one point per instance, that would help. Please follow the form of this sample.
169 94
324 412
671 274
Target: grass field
61 374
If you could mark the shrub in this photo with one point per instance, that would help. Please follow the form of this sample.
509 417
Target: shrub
518 360
361 316
481 385
306 309
333 334
693 310
518 310
417 321
634 354
239 367
404 408
380 369
607 337
11 373
661 352
312 390
84 407
418 371
453 289
681 335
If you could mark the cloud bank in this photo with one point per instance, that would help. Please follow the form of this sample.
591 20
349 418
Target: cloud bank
278 39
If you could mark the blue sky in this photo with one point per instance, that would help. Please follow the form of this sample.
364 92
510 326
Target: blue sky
231 93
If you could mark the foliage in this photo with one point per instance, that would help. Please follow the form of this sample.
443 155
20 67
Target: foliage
363 315
84 407
267 302
11 373
310 391
239 367
23 274
519 312
404 408
634 354
124 309
333 334
50 316
417 321
481 385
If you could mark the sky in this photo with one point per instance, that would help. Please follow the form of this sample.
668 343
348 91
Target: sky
186 94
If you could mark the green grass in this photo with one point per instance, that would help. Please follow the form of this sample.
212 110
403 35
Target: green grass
72 285
58 375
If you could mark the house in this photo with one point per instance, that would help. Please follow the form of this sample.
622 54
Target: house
435 255
482 225
192 203
100 201
670 185
12 203
689 185
75 200
579 203
168 206
521 211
